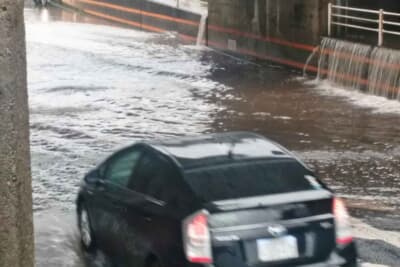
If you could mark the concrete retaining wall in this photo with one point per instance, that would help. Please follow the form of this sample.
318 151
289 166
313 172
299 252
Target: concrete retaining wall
285 32
145 15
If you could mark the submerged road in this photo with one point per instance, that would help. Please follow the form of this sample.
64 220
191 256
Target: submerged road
94 87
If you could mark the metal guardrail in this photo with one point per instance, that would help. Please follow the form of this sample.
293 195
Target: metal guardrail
365 17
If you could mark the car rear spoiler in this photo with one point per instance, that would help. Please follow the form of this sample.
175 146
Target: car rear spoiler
269 200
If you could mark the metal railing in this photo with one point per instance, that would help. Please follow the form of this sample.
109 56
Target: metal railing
363 20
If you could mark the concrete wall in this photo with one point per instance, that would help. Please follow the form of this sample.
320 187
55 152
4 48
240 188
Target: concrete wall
278 30
293 20
285 32
145 15
16 235
389 5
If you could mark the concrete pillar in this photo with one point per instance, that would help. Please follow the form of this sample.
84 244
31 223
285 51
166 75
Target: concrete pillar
16 231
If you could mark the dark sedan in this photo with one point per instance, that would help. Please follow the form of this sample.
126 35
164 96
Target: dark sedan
223 200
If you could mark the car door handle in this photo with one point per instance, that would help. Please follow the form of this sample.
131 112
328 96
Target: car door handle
148 219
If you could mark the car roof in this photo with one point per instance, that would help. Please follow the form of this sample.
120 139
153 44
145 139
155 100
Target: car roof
221 148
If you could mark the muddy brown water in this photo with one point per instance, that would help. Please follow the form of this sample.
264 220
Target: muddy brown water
95 87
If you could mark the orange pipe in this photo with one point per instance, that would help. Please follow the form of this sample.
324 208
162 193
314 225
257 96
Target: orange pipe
141 12
243 34
196 24
305 47
240 33
287 62
297 65
124 21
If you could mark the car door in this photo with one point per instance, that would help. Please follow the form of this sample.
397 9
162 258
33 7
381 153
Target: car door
112 196
158 219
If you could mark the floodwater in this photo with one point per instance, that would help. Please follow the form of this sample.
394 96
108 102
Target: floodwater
95 87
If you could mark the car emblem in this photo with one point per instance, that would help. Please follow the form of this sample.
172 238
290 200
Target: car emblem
277 230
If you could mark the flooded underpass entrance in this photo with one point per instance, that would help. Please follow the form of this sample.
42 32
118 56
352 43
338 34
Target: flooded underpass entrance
96 87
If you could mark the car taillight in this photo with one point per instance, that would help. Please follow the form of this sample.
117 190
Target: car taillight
342 222
196 238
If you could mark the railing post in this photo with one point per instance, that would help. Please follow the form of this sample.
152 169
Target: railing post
380 29
347 13
329 19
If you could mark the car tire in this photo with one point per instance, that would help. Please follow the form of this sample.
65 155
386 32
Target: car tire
85 229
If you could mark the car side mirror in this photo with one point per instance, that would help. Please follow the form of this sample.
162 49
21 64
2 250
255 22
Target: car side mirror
92 177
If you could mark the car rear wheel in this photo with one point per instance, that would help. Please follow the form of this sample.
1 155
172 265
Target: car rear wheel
85 229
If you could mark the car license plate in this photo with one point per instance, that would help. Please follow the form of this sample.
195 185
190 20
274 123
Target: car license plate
275 249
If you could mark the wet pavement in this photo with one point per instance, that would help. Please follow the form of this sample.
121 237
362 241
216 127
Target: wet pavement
95 87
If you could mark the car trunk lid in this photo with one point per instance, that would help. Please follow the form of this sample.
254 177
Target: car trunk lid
300 224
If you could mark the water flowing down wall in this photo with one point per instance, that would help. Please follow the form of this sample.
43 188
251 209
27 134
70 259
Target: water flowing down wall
343 62
202 30
384 73
355 66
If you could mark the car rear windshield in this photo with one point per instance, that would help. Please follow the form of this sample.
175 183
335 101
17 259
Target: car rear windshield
248 179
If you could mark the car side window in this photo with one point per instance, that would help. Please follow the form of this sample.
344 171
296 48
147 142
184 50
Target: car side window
120 167
153 177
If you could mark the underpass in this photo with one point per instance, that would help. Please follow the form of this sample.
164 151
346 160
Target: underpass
96 86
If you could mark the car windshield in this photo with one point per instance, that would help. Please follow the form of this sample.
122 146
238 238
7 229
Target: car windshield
248 179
